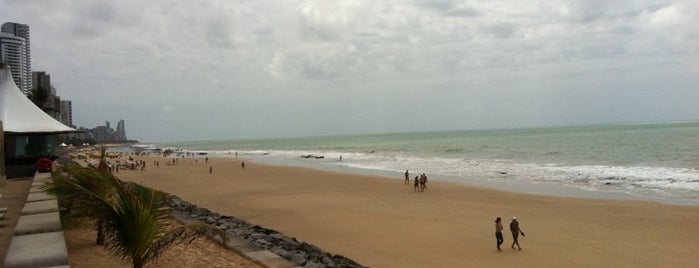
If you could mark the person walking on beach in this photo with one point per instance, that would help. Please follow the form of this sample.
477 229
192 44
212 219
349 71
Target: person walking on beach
242 165
417 184
423 182
498 232
514 228
407 177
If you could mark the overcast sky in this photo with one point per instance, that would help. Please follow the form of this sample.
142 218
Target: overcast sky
200 70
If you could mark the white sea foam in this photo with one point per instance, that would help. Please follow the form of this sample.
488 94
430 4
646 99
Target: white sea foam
657 160
666 182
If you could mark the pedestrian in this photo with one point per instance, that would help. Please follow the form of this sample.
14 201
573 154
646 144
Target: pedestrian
417 185
242 165
514 228
211 170
407 177
498 232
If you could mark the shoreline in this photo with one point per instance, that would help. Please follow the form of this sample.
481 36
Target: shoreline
381 222
518 186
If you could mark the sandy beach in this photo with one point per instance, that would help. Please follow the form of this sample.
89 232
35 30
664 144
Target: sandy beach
381 222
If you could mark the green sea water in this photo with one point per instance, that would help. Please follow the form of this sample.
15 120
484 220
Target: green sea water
660 159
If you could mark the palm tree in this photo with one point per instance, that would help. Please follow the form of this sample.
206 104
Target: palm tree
132 219
137 226
82 189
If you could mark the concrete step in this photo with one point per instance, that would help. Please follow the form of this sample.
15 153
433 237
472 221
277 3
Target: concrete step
37 250
39 207
33 197
38 223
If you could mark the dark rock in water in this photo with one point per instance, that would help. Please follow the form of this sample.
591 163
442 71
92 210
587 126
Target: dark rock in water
301 253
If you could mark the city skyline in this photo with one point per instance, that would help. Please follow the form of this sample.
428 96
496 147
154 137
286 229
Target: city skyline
15 49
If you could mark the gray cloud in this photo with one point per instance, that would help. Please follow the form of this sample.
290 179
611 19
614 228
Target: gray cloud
269 68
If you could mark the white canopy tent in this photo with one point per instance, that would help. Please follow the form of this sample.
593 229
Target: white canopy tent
19 115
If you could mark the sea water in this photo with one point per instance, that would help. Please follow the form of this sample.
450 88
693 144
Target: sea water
645 161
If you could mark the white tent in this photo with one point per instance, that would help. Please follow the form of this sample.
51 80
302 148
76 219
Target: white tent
19 115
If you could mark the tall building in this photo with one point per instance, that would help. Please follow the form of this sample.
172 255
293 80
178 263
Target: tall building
13 52
105 134
16 50
66 113
120 134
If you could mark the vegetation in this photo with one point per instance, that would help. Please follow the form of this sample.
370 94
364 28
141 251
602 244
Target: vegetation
39 96
132 220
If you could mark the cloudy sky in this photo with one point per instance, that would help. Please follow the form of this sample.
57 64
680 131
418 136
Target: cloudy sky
200 70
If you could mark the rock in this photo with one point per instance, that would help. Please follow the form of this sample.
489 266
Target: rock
299 257
313 264
301 253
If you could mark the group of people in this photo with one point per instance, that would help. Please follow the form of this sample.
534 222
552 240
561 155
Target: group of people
420 182
514 228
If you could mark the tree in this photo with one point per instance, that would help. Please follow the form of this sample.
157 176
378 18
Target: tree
137 226
83 189
132 219
39 96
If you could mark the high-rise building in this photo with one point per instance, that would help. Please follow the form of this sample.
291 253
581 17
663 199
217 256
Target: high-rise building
16 50
120 131
12 51
66 113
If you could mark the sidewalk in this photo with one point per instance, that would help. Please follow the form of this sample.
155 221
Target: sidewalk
33 227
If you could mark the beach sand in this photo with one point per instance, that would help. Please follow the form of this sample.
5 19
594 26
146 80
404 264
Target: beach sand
202 252
380 222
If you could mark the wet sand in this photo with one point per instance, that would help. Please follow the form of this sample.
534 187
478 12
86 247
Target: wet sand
381 222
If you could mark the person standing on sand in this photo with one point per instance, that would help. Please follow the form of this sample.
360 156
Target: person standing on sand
407 177
417 184
514 228
242 165
498 232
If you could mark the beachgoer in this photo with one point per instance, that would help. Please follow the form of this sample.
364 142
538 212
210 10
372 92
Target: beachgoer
242 165
423 182
211 170
514 228
498 232
417 186
206 160
407 177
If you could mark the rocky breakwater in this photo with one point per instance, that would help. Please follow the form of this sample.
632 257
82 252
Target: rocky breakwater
301 253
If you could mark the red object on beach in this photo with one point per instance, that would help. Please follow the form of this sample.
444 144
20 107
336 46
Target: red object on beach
43 165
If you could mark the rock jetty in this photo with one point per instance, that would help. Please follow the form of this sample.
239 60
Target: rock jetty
301 253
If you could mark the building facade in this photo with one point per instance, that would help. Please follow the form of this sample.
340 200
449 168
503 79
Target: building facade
67 113
105 134
17 52
12 51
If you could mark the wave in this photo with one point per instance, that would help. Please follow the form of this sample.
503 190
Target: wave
632 179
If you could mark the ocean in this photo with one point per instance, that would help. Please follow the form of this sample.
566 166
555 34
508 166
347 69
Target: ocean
653 161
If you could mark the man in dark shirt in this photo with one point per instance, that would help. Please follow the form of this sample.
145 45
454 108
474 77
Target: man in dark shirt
514 228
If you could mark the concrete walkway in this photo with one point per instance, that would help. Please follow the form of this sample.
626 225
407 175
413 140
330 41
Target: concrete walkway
38 239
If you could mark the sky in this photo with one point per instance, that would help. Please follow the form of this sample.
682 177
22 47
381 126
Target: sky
216 70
